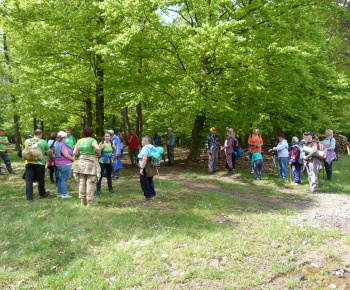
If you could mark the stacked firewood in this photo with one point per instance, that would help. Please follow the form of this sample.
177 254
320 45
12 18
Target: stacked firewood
344 144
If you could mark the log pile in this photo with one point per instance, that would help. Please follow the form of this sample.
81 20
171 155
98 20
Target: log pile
344 143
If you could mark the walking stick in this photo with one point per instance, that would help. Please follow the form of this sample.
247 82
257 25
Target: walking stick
290 173
161 189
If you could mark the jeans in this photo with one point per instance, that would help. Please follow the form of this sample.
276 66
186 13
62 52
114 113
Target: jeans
170 154
329 170
296 169
35 171
283 166
64 174
147 185
258 168
109 169
4 156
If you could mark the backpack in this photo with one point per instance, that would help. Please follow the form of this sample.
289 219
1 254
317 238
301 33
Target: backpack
156 156
32 152
237 149
337 146
321 149
51 155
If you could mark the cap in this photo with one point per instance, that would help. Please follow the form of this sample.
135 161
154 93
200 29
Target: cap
212 129
62 134
29 136
309 133
170 129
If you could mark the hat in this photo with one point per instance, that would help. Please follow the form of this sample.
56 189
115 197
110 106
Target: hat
62 134
29 136
170 129
309 133
212 129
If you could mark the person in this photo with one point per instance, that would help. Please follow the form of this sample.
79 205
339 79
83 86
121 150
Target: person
170 143
4 142
63 162
212 145
228 147
282 154
146 171
294 161
70 140
36 169
329 143
254 142
108 149
157 139
257 164
121 138
114 139
313 164
133 147
51 164
87 171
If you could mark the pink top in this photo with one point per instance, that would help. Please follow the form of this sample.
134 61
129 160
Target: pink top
63 160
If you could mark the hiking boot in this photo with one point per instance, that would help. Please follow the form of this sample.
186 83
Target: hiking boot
230 171
47 193
92 203
146 198
99 192
112 191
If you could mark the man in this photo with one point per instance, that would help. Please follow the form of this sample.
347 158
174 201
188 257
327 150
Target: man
116 141
312 164
36 169
255 142
157 139
146 171
70 140
212 145
133 147
121 138
170 143
4 142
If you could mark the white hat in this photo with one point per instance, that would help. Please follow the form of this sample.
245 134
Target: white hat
170 129
62 134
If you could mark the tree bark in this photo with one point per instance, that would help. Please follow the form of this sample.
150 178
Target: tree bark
35 124
196 137
88 112
139 123
100 115
126 122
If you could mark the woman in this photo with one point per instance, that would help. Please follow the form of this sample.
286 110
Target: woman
283 154
51 164
228 147
87 170
63 164
294 161
108 150
329 143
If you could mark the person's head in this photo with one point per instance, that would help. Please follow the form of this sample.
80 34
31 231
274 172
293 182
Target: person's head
68 132
2 132
170 130
309 136
38 133
229 132
281 137
295 140
61 136
329 133
132 132
213 130
305 136
88 132
256 131
53 136
145 140
155 134
108 136
111 133
29 136
120 132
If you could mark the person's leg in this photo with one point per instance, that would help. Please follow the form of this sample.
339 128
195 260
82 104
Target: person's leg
168 153
215 158
171 155
328 168
40 171
51 171
296 169
98 184
59 181
82 188
109 176
280 166
136 153
7 161
151 186
229 161
65 174
255 166
234 161
260 168
284 162
131 155
90 189
145 185
30 173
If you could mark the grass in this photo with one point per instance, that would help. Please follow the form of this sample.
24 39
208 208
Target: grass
186 238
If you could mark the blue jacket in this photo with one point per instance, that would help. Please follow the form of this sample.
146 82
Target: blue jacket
282 149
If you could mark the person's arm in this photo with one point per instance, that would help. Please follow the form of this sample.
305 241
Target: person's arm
129 139
332 145
66 155
207 144
7 143
313 151
250 140
143 164
253 159
261 143
76 151
117 148
98 148
281 146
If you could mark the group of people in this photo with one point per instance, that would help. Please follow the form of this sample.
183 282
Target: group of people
298 159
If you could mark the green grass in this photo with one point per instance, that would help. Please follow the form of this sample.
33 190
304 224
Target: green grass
185 238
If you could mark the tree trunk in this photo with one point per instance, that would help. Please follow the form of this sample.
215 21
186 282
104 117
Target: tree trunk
88 112
100 115
196 137
35 124
126 122
139 123
18 140
42 125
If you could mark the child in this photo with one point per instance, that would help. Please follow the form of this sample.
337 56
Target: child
257 164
